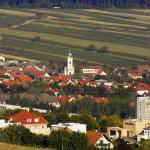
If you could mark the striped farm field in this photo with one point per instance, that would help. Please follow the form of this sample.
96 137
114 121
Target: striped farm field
126 33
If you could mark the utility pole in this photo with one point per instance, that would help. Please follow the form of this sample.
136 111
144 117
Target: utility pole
62 148
19 138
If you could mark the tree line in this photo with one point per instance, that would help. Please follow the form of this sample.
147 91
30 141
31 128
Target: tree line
20 135
76 3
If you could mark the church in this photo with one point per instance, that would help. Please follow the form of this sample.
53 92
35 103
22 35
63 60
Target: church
69 69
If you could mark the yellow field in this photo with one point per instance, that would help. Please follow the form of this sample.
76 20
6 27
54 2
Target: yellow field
16 13
4 146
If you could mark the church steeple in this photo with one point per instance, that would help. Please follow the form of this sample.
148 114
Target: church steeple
69 69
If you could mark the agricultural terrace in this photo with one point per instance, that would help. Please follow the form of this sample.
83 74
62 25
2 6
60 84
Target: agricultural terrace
126 34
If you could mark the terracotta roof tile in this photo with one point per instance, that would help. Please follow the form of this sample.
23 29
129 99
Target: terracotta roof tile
102 99
93 137
25 117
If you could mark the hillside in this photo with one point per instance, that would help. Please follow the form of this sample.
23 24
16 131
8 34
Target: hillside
48 34
4 146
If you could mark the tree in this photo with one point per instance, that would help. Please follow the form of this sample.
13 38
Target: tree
87 119
145 145
20 135
87 105
17 135
78 141
108 121
36 39
103 49
91 48
68 141
59 140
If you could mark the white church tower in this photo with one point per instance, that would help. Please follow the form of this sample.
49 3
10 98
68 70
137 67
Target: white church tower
69 69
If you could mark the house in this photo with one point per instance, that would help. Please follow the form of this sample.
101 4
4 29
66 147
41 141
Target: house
144 135
74 127
69 98
22 78
36 72
4 123
34 122
93 70
131 128
61 78
5 75
66 98
88 83
99 140
55 91
9 107
10 83
115 133
135 74
142 88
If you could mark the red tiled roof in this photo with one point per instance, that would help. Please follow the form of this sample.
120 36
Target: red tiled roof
36 72
87 82
93 137
23 78
64 83
11 83
65 98
136 72
23 116
142 87
102 99
91 67
63 78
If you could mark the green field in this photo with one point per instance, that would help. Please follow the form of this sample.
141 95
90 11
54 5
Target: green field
125 32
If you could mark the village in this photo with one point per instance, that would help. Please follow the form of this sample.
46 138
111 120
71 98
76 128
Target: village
36 89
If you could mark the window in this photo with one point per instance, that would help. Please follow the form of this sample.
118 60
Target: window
36 120
29 120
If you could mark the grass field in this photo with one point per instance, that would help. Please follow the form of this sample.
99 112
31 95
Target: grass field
125 32
4 146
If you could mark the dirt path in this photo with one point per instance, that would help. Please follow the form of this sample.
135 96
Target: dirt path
19 58
21 24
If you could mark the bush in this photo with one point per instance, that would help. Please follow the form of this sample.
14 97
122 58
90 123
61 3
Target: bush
91 48
103 49
36 39
22 136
